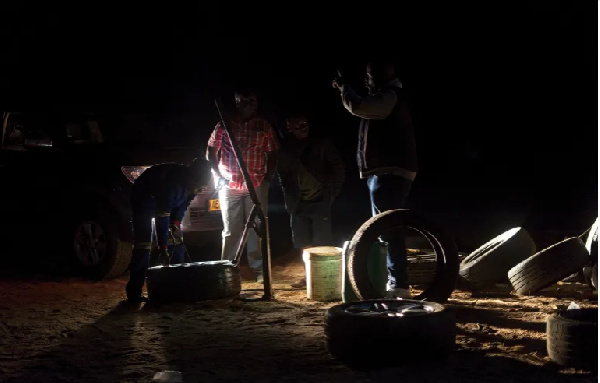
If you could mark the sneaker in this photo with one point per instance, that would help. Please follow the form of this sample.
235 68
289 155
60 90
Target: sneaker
300 284
398 293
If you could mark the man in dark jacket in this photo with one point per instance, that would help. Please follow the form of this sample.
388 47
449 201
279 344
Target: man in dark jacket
163 193
311 174
386 155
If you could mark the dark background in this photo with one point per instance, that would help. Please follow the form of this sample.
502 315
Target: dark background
504 96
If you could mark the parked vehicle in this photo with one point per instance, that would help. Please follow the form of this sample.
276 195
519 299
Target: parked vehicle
65 190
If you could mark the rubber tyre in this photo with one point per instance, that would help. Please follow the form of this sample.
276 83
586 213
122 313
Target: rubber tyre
442 244
572 338
193 282
595 277
366 342
549 266
489 264
422 268
118 253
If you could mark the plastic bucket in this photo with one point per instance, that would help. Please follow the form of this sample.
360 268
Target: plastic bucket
376 267
323 273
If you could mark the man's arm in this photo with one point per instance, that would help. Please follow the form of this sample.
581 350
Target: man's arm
212 150
374 107
178 212
271 148
284 168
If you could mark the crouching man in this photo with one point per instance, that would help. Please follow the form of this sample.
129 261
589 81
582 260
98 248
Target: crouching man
163 193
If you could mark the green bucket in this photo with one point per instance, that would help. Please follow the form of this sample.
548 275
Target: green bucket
377 270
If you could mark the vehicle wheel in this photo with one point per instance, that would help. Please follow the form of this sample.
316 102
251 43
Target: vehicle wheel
549 266
193 282
572 337
490 263
442 244
387 333
97 251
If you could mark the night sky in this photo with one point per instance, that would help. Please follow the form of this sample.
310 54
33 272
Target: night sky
504 96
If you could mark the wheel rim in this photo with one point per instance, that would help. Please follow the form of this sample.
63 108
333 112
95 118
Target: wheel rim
90 243
391 308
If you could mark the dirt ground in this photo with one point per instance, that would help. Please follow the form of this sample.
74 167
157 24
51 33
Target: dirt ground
72 330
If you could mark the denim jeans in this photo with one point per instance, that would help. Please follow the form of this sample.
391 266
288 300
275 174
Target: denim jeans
390 192
311 224
142 245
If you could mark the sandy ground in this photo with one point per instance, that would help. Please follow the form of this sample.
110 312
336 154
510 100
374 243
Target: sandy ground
73 330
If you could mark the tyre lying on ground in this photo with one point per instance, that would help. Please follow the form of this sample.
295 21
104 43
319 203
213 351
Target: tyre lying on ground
490 263
590 271
385 333
193 282
572 338
548 266
422 266
443 246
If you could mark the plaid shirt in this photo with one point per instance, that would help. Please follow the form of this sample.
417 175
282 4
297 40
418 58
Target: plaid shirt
255 138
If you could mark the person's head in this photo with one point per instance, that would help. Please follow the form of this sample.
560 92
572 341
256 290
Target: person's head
246 102
379 72
298 126
198 175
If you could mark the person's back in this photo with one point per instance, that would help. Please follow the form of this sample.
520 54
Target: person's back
157 179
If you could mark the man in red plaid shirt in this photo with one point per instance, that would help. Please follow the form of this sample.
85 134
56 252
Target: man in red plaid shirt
257 143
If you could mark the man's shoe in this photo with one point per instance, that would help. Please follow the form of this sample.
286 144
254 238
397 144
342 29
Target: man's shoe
398 293
300 284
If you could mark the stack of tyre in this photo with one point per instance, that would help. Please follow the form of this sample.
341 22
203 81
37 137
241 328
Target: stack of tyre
376 332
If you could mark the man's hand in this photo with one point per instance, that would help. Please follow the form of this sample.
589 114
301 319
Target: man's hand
176 232
221 183
164 258
338 81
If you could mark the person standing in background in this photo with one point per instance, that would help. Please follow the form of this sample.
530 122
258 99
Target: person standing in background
311 173
258 145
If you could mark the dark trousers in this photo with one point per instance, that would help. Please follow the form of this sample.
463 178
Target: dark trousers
311 224
140 256
391 192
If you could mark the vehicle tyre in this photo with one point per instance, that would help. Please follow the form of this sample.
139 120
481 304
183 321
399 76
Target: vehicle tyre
549 266
489 264
422 268
386 333
572 337
193 282
97 250
442 244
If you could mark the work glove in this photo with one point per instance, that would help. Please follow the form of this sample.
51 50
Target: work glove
338 81
164 258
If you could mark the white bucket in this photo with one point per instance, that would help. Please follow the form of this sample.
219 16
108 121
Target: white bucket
323 273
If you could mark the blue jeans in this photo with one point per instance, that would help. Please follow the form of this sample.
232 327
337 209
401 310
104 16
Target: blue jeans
311 224
390 192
